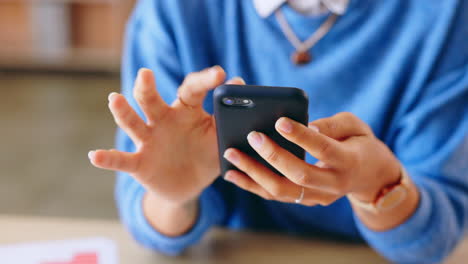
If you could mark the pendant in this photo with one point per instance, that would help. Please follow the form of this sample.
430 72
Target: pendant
301 57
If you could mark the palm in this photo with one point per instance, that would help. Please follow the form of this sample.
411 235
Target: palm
190 156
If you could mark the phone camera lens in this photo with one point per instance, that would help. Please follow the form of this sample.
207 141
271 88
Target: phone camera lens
228 101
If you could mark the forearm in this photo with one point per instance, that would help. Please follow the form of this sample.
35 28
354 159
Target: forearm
168 219
150 229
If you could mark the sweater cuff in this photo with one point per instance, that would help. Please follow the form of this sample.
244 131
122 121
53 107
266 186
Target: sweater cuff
210 213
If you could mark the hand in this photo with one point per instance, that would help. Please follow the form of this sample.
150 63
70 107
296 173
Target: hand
177 154
352 160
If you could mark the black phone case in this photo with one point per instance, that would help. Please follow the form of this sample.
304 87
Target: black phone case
234 123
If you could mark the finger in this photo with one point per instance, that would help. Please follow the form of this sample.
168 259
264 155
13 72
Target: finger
236 80
193 90
279 187
144 92
246 183
315 143
126 118
114 160
295 169
314 197
311 197
341 126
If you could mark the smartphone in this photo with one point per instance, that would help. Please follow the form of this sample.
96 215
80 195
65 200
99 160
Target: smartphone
240 109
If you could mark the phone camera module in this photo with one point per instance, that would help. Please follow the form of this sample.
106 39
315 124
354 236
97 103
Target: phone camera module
228 101
239 102
243 102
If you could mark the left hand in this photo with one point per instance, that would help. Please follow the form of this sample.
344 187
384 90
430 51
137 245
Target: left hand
351 161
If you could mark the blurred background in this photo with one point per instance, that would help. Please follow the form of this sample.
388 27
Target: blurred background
59 59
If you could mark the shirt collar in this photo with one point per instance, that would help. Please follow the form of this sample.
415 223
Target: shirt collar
266 7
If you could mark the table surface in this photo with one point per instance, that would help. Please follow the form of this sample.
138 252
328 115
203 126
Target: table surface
218 246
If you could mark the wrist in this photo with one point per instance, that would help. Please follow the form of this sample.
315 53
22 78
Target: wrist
392 175
389 197
168 218
392 210
150 200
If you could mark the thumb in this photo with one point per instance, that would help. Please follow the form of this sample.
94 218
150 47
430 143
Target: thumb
341 126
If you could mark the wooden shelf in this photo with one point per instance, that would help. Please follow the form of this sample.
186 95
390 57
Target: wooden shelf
73 59
78 35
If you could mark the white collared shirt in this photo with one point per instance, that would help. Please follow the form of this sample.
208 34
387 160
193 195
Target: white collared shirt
310 7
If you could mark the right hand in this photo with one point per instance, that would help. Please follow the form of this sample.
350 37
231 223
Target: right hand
177 152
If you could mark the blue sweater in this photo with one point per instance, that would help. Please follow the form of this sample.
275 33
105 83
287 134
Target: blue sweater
400 65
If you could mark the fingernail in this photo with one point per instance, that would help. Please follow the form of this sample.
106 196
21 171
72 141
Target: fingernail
231 156
255 139
215 69
238 79
139 77
140 71
91 154
112 96
285 125
314 128
230 176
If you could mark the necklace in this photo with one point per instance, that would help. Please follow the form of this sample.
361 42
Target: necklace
302 56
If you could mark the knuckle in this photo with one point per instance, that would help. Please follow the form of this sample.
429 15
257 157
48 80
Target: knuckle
145 97
122 117
154 98
302 178
348 115
366 128
132 124
150 99
330 125
276 191
187 90
273 156
301 134
247 166
114 161
324 149
191 80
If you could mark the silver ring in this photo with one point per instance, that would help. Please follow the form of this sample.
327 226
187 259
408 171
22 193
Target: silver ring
301 197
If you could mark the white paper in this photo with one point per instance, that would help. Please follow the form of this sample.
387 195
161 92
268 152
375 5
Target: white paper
82 251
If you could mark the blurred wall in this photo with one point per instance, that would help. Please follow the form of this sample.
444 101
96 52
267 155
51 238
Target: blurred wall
81 35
